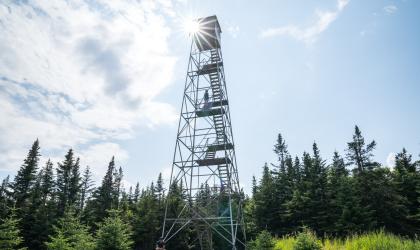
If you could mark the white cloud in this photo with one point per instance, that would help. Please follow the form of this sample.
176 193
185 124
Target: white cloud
390 9
97 157
308 34
81 74
390 160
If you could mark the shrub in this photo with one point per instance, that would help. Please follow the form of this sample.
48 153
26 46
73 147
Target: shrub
307 240
264 241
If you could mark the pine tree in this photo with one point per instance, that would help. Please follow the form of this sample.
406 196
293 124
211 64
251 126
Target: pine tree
47 182
114 234
10 238
130 196
136 193
5 197
65 182
160 192
282 184
318 192
104 197
406 178
70 234
38 223
264 201
74 185
254 186
86 188
25 178
360 155
337 179
118 175
299 207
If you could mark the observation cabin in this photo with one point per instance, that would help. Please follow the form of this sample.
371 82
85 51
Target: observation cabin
208 35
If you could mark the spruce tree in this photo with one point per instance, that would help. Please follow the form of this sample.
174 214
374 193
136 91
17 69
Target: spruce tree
136 193
86 187
360 155
65 182
47 182
281 184
114 234
74 185
117 182
337 184
406 178
318 192
38 223
265 201
104 197
25 179
5 197
70 234
10 237
160 192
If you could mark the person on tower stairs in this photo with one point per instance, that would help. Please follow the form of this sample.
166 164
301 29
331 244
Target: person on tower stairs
160 244
206 100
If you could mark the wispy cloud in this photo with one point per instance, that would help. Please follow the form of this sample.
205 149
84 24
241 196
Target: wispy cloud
390 9
308 34
81 74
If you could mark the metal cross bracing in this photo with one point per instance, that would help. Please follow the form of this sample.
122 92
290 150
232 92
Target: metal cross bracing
204 166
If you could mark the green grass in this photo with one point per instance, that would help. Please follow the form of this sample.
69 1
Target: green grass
372 241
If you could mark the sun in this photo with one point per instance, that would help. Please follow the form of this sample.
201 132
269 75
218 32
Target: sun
191 26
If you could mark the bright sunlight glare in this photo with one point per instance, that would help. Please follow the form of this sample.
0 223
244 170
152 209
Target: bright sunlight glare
192 26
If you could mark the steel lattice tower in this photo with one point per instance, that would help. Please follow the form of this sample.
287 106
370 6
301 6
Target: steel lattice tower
204 170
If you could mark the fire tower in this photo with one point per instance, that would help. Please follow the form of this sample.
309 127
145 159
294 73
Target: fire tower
204 171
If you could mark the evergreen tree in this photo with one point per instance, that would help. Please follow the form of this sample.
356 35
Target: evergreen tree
254 186
265 201
360 155
47 182
282 184
299 207
160 192
70 234
86 187
118 175
37 225
74 185
114 234
136 193
318 192
130 196
105 197
406 178
10 238
337 178
25 179
5 197
65 183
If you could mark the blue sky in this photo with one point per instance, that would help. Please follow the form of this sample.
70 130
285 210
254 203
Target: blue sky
106 78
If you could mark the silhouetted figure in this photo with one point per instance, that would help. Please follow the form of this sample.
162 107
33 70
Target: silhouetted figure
160 244
206 100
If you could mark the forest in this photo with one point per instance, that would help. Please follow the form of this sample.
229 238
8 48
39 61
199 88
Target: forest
57 205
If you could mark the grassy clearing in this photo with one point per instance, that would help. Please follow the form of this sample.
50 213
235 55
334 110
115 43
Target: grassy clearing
372 241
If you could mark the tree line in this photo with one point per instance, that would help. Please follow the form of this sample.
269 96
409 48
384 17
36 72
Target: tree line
57 206
351 195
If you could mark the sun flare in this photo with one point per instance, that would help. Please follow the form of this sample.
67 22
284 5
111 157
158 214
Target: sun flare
191 26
